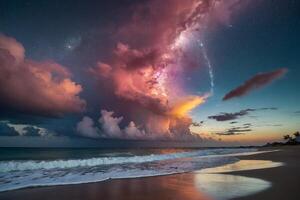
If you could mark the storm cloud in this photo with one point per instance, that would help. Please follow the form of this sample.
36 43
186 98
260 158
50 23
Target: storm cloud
138 75
144 71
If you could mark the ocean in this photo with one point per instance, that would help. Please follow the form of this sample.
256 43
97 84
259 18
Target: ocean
30 167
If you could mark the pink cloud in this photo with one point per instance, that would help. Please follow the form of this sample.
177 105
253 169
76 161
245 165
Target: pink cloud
153 49
30 86
257 81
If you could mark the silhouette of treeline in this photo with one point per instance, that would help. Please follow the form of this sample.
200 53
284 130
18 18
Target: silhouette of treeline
293 139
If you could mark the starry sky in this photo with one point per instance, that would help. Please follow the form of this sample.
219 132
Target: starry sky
211 71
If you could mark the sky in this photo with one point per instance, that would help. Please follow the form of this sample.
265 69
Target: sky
211 72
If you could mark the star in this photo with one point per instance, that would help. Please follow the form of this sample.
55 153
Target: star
72 43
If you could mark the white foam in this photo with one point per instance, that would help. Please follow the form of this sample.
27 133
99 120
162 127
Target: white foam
7 166
24 174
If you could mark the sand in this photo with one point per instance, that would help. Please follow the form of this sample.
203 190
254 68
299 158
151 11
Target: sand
285 183
285 180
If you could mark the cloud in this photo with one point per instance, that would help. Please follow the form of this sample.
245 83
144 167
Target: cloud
24 130
108 126
235 131
145 66
258 81
6 130
222 11
32 131
43 88
268 108
232 116
101 70
86 128
198 124
143 72
132 131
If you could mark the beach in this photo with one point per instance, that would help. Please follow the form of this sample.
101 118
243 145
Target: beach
285 180
284 183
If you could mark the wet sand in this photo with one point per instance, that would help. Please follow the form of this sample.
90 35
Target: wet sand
285 180
171 187
285 183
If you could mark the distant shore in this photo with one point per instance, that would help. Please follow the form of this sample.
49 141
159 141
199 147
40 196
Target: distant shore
285 182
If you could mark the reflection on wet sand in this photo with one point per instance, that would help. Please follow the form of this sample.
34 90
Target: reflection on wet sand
187 186
223 186
242 165
172 187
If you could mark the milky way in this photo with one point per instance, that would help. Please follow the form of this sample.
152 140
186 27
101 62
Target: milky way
141 80
152 51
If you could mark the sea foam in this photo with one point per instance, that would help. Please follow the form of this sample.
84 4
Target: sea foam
21 174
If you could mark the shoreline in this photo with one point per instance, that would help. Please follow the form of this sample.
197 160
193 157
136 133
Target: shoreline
209 159
285 179
176 186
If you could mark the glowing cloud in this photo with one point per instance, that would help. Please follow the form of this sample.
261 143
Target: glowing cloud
183 107
152 51
43 88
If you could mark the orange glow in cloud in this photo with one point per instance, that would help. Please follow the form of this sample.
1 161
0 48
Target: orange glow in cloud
182 108
147 67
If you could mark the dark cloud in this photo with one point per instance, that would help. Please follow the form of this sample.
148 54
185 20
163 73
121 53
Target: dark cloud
32 131
236 131
6 130
198 124
256 82
232 116
270 108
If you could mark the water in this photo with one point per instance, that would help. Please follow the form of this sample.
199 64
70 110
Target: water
20 168
220 186
225 186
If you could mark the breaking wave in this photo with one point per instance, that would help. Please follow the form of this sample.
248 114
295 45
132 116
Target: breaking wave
21 174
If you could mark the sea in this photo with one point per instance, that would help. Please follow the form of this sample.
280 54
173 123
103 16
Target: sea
32 167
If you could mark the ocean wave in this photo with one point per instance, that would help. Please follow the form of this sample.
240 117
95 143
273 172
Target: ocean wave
37 178
8 166
22 174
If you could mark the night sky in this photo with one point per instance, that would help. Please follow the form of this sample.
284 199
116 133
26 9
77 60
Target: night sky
217 72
